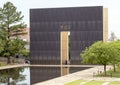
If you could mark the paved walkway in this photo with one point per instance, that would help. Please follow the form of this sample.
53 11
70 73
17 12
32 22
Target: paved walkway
63 65
13 66
85 74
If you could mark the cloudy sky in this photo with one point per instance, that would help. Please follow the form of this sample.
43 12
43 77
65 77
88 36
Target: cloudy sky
112 5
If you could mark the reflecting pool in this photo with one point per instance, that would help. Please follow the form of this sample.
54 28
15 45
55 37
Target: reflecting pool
32 75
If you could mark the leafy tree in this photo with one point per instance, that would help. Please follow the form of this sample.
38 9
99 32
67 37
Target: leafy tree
115 53
102 53
98 53
11 26
113 36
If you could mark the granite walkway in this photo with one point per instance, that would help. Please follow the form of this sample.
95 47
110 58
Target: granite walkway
85 74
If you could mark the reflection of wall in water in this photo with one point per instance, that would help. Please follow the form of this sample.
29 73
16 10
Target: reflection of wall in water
75 69
39 74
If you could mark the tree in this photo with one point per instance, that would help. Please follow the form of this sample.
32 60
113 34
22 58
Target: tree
98 53
113 36
11 26
115 53
102 53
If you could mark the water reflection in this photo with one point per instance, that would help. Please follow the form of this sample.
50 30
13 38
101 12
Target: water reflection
32 75
39 74
12 76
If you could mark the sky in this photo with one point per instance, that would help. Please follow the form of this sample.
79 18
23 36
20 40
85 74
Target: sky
112 5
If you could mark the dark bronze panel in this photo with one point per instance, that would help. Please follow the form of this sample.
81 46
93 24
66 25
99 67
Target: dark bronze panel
66 14
84 23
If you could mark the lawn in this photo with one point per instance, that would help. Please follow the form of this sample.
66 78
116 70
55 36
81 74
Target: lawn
2 64
75 82
93 82
115 83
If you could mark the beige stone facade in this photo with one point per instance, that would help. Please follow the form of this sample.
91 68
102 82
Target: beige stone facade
105 24
64 52
26 36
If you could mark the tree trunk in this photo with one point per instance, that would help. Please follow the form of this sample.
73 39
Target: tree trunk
8 82
8 78
8 43
105 69
8 60
114 68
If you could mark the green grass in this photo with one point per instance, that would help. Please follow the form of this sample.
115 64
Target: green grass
111 73
2 64
75 82
94 83
115 83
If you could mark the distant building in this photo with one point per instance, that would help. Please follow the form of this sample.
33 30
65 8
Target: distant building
25 37
23 34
